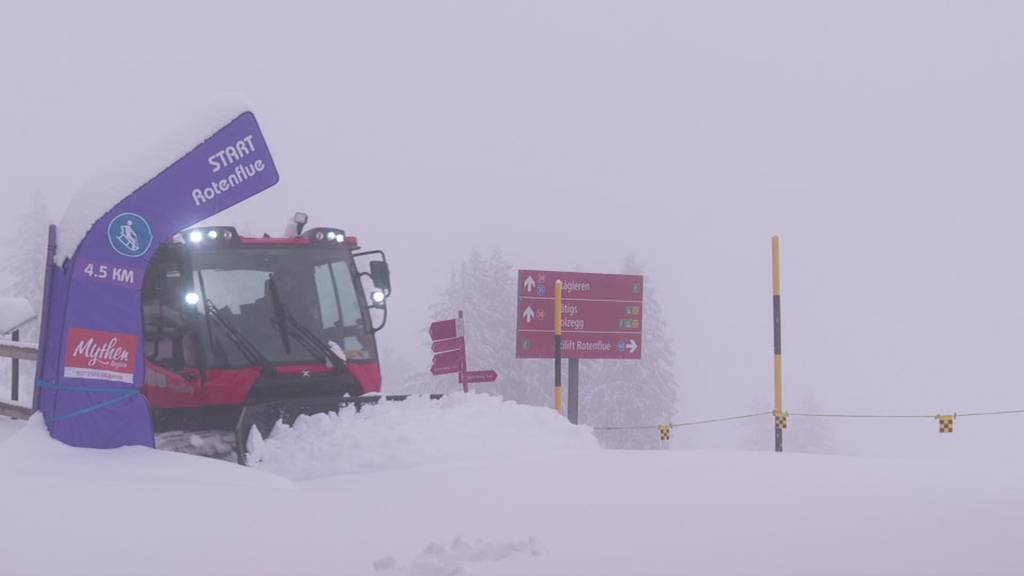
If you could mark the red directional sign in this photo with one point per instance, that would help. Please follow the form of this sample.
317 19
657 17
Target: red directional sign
443 330
580 315
602 315
449 348
448 345
448 362
479 376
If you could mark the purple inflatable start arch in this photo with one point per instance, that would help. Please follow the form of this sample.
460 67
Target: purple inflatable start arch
91 364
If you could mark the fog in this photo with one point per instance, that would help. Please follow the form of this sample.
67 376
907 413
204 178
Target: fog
881 141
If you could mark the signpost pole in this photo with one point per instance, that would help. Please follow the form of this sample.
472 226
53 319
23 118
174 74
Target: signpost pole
574 390
462 371
15 369
777 321
558 346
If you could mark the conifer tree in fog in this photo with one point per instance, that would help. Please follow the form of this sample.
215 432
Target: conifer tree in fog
612 392
23 276
809 434
485 290
633 392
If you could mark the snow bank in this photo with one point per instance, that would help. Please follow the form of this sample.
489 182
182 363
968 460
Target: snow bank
8 427
439 559
416 432
103 191
138 511
36 455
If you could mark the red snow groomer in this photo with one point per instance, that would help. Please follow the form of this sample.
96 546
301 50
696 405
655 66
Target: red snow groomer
242 332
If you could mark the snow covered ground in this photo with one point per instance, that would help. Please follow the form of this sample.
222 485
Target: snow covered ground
8 426
473 485
416 432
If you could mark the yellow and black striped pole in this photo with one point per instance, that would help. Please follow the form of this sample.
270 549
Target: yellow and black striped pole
780 416
558 346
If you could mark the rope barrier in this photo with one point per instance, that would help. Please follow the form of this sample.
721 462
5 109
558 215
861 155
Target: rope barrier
812 415
940 417
679 424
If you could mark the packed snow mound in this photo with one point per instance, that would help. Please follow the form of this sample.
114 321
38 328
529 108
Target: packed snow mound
415 432
38 457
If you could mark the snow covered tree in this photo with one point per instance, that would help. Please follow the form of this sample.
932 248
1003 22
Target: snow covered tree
633 392
809 434
484 289
612 392
23 276
757 433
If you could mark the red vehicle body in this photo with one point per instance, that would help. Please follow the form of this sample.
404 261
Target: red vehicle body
242 332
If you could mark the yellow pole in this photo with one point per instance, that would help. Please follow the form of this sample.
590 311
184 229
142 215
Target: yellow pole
558 346
777 332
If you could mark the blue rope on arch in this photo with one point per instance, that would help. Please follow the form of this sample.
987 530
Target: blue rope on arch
125 393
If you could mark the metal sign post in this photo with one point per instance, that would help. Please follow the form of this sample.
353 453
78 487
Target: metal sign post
780 416
574 390
15 369
558 346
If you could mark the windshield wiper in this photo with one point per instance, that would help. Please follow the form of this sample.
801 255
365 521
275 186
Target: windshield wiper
280 318
244 345
283 319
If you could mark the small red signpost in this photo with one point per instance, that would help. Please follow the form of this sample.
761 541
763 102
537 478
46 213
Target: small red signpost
449 348
601 316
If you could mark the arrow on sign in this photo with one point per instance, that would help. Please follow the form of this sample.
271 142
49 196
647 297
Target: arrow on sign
529 284
632 346
528 314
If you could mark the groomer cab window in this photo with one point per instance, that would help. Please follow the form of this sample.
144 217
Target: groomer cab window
168 342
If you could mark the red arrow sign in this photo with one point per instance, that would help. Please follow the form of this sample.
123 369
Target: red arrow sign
579 285
439 370
613 345
580 315
448 362
481 376
443 330
448 345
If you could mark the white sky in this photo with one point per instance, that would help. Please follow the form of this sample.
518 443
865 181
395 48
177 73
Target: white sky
882 140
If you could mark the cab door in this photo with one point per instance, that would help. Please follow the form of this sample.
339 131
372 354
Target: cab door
172 370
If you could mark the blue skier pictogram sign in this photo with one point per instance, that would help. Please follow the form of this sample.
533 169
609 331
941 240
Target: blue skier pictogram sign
129 234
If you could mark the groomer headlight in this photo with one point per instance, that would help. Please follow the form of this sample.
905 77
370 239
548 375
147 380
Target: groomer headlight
377 296
332 235
218 234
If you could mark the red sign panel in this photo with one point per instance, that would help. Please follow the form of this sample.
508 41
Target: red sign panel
479 376
99 355
444 330
448 345
602 315
448 362
580 315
